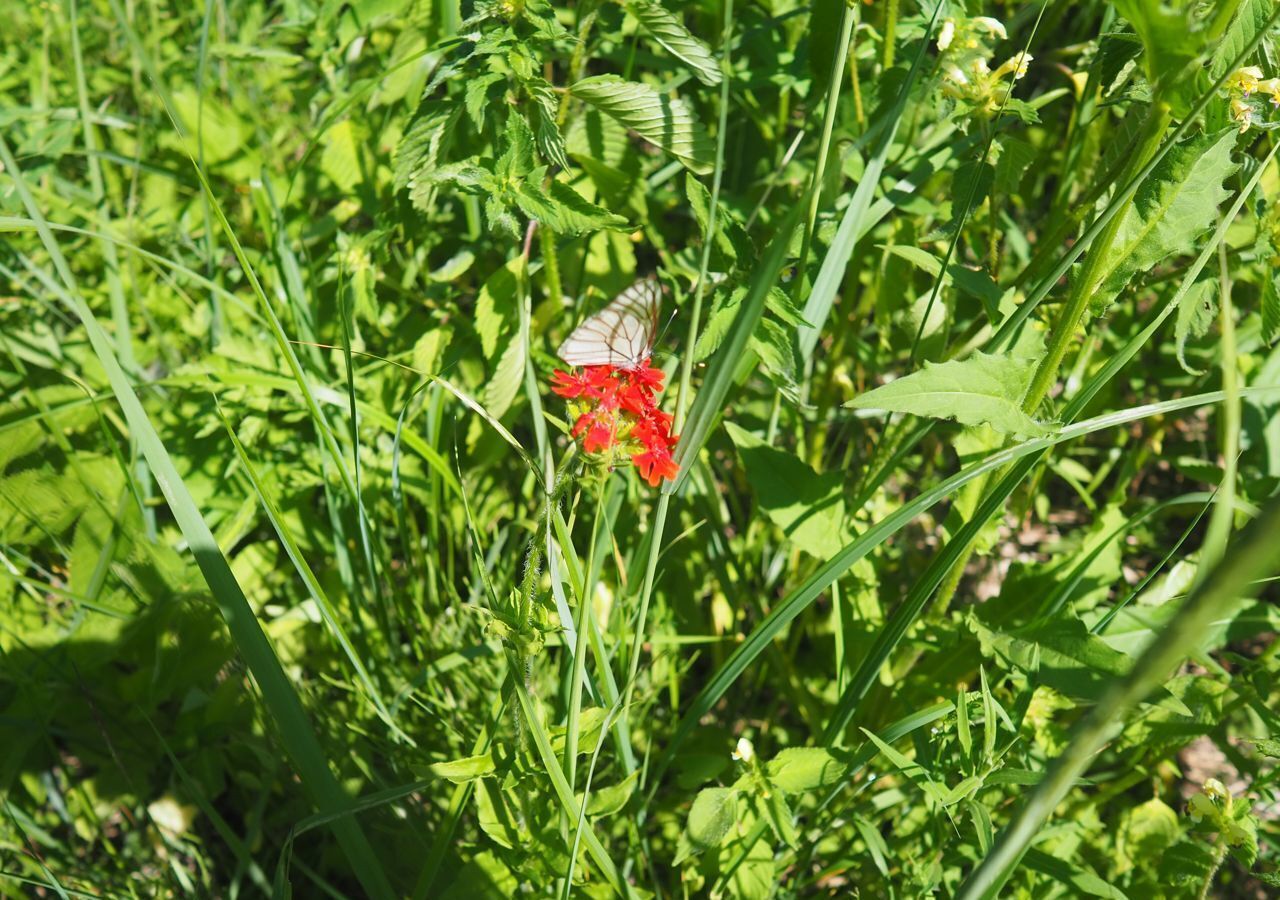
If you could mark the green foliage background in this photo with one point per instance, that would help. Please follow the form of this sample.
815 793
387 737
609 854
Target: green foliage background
965 586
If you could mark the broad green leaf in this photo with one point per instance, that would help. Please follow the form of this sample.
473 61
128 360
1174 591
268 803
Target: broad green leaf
503 385
1060 652
496 310
805 769
808 507
340 158
1149 829
778 814
468 768
714 812
985 389
667 122
1174 205
609 801
669 31
497 817
1083 882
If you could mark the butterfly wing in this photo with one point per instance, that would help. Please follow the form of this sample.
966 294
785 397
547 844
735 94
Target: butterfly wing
621 334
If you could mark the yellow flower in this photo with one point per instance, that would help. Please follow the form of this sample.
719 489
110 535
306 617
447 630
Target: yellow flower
1245 80
1017 64
1242 112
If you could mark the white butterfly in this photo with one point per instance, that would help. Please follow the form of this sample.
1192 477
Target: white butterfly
620 335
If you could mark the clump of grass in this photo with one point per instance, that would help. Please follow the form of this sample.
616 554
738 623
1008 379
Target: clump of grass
961 559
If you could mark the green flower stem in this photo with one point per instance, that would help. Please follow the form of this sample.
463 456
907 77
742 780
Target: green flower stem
1219 530
890 28
1219 856
1235 577
582 625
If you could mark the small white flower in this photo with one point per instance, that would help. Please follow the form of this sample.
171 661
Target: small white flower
947 34
992 25
745 751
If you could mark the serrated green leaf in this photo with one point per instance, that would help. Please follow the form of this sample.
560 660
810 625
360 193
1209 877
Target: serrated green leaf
1171 208
476 96
564 210
420 152
1267 747
669 31
984 389
664 121
517 159
1195 317
1250 18
714 812
340 158
1271 308
772 343
779 816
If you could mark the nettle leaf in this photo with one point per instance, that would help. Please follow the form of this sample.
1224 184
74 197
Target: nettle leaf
564 210
1271 308
667 30
714 812
546 131
1195 318
775 347
799 769
1061 651
1015 158
808 507
517 159
476 96
419 153
1173 207
985 389
730 238
664 121
1251 18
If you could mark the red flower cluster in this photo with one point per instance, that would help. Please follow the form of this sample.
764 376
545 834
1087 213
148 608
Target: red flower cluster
618 416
